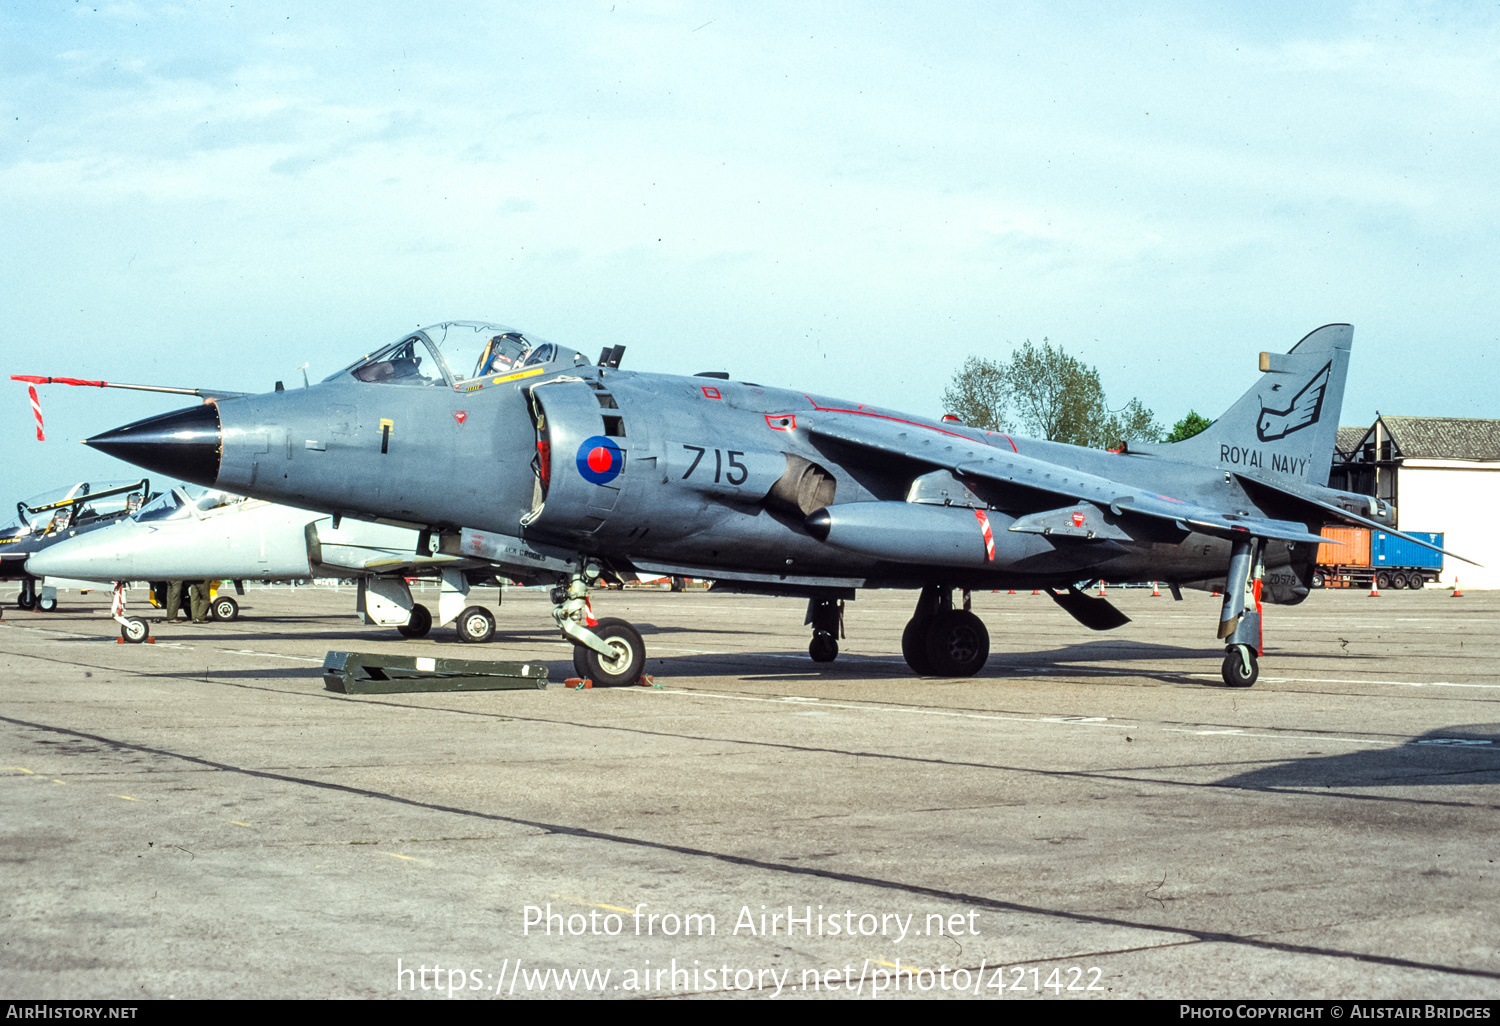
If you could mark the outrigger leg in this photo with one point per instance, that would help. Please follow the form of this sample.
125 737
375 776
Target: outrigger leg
608 651
827 618
1239 618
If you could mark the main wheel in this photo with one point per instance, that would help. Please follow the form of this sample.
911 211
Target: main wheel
135 630
224 609
914 645
629 659
957 644
1234 670
419 623
475 625
1317 579
824 648
26 600
46 605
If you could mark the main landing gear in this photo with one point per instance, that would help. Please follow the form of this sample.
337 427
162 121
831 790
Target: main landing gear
610 651
940 641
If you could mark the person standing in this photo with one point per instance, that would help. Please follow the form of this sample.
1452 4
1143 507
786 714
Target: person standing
198 601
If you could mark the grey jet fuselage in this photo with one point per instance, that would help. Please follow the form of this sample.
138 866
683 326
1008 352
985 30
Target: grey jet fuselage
556 462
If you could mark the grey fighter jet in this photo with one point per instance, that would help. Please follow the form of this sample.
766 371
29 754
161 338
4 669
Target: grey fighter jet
198 534
494 444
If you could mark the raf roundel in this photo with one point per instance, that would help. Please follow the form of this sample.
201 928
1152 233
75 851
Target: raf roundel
600 460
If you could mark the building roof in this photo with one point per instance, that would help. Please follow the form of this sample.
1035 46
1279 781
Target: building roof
1349 438
1443 438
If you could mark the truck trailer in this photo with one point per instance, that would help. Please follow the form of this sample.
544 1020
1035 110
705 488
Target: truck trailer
1375 558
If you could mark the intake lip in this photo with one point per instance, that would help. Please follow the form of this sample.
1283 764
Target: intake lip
185 444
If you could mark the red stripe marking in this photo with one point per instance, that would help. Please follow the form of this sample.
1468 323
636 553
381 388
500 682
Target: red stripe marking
37 380
912 423
36 408
989 535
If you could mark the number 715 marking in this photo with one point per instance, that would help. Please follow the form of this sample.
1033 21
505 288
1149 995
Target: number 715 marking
719 463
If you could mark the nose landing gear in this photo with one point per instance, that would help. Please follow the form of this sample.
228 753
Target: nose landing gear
609 652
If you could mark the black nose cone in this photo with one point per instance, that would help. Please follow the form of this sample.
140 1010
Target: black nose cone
184 444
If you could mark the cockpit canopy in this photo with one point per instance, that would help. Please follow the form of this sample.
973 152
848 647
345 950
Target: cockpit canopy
77 504
464 355
186 501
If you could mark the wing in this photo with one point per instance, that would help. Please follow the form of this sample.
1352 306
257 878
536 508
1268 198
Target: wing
940 448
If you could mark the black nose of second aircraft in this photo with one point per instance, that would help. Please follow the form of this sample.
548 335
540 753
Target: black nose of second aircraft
184 444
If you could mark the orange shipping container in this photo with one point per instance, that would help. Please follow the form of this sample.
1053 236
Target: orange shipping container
1354 552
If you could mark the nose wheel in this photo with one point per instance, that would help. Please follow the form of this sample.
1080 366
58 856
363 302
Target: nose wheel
475 625
623 666
608 652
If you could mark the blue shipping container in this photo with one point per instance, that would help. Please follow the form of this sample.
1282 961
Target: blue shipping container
1388 550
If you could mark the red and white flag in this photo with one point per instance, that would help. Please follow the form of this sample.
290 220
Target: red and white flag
36 408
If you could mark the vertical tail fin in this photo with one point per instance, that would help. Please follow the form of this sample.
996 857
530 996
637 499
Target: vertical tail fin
1286 425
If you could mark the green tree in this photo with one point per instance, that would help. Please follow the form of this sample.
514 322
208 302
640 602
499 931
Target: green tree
1052 395
1187 427
979 395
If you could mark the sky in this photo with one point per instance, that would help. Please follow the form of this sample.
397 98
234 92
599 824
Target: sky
841 197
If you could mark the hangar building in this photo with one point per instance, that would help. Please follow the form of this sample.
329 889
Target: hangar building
1441 474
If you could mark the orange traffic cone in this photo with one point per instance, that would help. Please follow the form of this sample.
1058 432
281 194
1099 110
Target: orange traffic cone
1012 591
1101 589
1457 592
1155 591
1374 588
1037 591
1214 593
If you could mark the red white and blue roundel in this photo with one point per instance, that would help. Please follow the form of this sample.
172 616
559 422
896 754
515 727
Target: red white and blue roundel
600 460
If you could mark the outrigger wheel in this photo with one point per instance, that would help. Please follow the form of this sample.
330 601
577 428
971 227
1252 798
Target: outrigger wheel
823 648
135 630
1241 668
629 659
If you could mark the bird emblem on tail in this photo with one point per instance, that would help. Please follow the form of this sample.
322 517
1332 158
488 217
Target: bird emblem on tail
1305 409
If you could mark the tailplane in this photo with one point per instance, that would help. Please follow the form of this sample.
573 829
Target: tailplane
1286 425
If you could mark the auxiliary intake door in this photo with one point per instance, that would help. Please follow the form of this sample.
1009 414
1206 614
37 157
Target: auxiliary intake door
582 455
